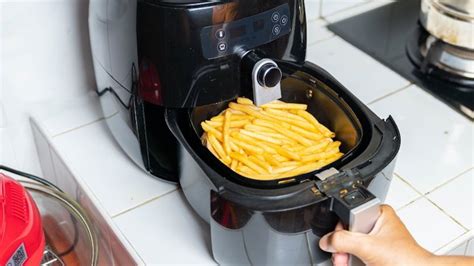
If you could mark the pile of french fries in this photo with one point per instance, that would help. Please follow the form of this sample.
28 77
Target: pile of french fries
277 140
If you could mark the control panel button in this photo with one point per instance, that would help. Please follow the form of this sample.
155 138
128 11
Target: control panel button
220 34
275 17
276 30
222 46
284 20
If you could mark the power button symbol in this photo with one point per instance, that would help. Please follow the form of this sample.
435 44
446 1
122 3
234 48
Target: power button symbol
222 46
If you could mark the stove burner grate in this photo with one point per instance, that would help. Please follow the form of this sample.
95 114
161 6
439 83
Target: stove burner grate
440 60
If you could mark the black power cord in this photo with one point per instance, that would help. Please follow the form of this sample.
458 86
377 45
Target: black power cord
130 91
30 176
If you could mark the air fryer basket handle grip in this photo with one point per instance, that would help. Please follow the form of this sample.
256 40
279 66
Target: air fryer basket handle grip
362 219
358 209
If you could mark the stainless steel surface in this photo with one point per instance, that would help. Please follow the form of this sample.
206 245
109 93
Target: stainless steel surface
451 59
50 258
362 219
463 6
449 20
263 94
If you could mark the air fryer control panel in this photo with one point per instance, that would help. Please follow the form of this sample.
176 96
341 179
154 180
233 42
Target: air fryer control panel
247 33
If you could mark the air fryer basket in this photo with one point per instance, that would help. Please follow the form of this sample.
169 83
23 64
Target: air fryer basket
330 109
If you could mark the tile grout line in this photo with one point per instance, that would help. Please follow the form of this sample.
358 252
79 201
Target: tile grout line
391 93
449 180
422 195
409 184
443 211
321 40
466 241
129 243
405 205
78 127
143 203
84 125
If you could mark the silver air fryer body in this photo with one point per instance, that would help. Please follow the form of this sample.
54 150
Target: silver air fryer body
163 66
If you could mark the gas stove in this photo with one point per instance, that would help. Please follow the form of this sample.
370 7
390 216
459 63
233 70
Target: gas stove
393 35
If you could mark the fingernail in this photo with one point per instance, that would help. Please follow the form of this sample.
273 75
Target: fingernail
324 245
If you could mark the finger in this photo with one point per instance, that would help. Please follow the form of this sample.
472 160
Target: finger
340 259
346 242
339 227
387 213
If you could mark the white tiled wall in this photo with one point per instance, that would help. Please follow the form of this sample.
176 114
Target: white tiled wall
44 57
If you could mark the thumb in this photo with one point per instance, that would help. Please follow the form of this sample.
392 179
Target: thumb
343 241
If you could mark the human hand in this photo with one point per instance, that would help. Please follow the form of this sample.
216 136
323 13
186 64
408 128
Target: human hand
389 243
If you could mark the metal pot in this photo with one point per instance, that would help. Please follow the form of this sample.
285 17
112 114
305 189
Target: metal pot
449 20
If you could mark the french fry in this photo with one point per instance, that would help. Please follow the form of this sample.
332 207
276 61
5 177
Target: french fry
320 156
236 117
242 100
246 170
278 140
310 118
332 145
285 106
261 137
245 146
233 165
291 163
261 163
333 158
289 121
307 134
244 160
270 159
283 169
302 169
284 131
233 124
212 130
294 148
218 148
253 141
248 109
211 149
255 128
233 146
225 131
280 158
318 147
288 154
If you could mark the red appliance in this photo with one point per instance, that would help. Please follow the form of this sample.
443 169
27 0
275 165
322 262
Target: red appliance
22 240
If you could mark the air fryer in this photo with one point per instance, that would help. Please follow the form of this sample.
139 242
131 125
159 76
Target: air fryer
305 206
186 61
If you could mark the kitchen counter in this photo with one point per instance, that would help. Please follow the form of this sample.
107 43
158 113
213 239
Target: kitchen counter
150 220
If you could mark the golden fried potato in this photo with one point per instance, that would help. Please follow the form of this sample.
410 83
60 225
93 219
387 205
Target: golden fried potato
277 140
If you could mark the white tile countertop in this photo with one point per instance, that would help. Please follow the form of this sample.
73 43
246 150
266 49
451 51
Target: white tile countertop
432 191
